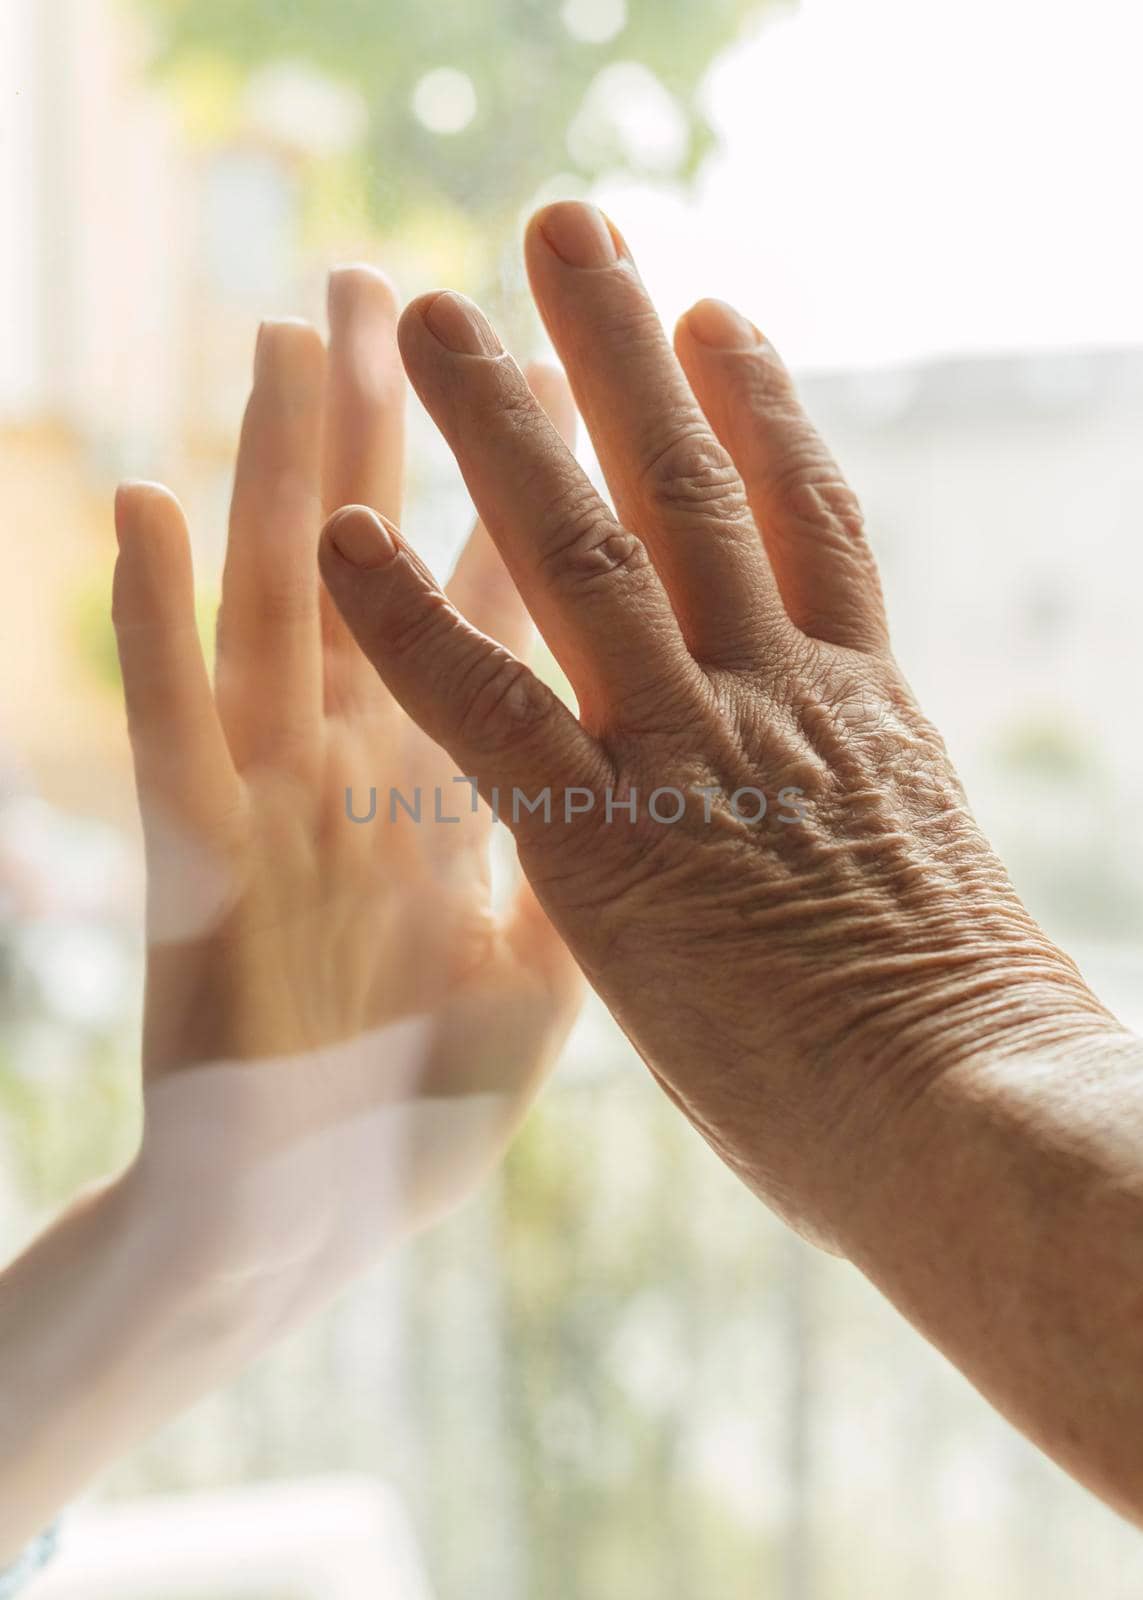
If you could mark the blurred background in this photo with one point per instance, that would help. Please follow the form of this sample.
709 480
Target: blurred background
613 1376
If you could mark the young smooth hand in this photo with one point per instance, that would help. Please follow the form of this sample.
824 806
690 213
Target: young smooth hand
341 1031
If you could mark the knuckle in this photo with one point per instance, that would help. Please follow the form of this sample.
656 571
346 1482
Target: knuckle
287 603
812 493
801 478
499 701
625 317
412 631
522 418
594 550
518 411
767 385
517 405
692 472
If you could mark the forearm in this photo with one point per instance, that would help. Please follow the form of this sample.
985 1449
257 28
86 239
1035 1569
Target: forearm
1001 1210
110 1322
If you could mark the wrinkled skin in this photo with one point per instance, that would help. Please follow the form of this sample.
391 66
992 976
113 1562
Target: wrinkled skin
784 980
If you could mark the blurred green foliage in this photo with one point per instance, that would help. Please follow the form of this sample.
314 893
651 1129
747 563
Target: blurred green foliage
529 69
69 1128
93 632
1047 746
570 1336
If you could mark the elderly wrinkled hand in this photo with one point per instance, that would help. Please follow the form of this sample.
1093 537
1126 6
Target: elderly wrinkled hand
749 836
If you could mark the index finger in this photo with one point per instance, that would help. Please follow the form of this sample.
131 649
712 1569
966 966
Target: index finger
587 581
481 586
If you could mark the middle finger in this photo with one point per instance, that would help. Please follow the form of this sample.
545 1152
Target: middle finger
672 480
363 450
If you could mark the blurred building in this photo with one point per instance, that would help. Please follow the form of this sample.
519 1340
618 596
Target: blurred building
1002 497
133 266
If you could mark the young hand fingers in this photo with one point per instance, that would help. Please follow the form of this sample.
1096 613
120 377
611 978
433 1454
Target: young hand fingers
363 448
269 666
183 767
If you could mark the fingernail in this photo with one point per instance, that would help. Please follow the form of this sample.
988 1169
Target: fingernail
715 323
579 234
357 286
128 487
360 537
338 293
274 336
459 326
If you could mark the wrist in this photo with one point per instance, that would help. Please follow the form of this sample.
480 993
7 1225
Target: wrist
924 1074
166 1262
979 995
944 1000
220 1263
110 1321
